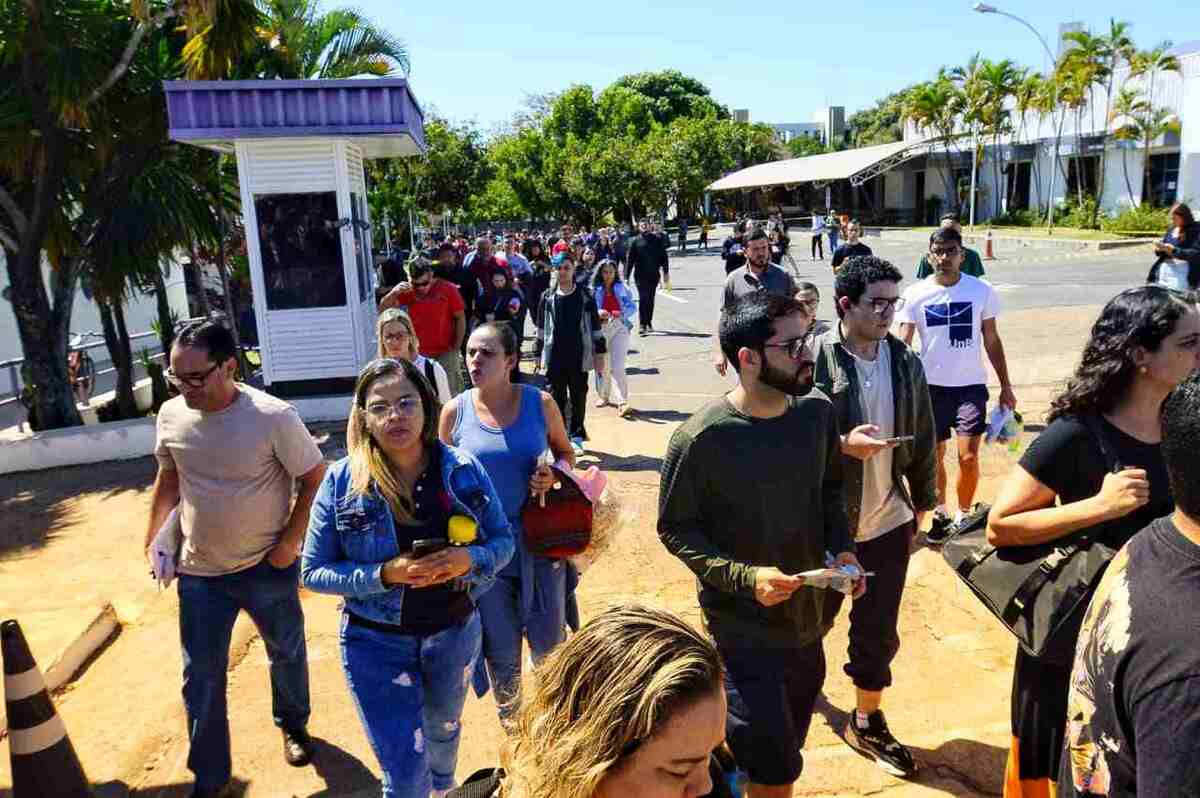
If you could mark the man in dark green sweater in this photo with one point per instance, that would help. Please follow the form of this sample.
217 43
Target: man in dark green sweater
751 496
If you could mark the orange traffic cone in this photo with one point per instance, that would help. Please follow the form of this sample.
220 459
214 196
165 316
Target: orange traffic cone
987 253
44 764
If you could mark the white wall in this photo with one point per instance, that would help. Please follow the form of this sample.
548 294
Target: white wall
85 317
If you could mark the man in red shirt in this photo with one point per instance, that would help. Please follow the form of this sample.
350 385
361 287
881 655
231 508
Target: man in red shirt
438 315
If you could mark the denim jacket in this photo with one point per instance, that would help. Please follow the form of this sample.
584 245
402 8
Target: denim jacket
350 537
915 460
624 296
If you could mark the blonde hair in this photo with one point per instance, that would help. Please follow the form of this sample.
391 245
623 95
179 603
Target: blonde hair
396 316
602 694
370 469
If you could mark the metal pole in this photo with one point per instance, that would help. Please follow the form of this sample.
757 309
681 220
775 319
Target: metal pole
387 236
974 173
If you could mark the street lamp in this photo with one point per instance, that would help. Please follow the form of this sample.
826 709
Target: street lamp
984 8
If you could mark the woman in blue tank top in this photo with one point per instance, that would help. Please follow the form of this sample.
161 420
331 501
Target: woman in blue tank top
507 427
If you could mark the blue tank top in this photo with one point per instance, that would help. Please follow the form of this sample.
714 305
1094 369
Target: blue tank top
508 455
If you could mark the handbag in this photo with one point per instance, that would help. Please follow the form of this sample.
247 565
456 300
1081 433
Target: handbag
1040 593
558 523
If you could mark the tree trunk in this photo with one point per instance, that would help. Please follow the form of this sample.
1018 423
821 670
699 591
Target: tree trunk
196 269
230 310
1125 169
116 338
166 321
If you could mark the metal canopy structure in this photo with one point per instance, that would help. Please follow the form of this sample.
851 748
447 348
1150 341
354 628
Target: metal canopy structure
858 166
380 115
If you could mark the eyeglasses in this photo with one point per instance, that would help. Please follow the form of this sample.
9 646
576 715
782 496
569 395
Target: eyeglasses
881 306
809 303
404 408
396 337
190 380
947 252
796 347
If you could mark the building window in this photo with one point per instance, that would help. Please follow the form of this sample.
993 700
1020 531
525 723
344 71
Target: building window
301 247
1082 171
1163 177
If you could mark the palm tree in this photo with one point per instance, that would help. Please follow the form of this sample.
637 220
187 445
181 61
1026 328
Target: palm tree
934 106
1117 47
1153 121
999 81
1025 101
1127 109
297 40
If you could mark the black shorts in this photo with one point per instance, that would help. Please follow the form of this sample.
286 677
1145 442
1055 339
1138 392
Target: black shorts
962 409
771 694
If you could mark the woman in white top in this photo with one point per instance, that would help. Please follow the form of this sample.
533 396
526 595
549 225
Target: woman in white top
398 340
818 234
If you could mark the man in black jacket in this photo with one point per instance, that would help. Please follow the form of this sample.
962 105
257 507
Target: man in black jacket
647 260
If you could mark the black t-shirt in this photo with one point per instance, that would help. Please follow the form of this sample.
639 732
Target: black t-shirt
1133 711
566 349
1066 458
859 250
467 282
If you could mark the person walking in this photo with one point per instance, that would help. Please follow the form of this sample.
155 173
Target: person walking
508 427
853 248
1132 718
956 317
683 234
438 314
569 338
229 458
737 512
818 235
411 533
648 261
398 340
733 248
1145 342
972 264
705 226
616 308
1178 263
759 274
889 449
833 227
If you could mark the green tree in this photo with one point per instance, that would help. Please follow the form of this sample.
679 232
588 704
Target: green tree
881 124
802 146
1128 109
1153 120
298 40
672 95
934 107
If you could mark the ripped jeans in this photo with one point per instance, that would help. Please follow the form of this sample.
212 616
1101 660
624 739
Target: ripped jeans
409 692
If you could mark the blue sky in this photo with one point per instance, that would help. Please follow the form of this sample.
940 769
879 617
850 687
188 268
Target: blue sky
475 60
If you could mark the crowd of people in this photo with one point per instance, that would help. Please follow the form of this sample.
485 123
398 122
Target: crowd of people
419 527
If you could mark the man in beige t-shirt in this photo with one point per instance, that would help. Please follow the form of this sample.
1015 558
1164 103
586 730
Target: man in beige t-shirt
230 456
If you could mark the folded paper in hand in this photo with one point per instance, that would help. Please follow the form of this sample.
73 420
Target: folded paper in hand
164 550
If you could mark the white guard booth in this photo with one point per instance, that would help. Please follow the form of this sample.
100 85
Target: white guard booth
300 147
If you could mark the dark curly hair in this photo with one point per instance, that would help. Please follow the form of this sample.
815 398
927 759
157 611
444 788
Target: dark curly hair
1137 317
857 274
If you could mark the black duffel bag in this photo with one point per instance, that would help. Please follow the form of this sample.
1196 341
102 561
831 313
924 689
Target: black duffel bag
1040 593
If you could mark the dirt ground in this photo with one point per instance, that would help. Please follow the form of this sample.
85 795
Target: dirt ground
71 541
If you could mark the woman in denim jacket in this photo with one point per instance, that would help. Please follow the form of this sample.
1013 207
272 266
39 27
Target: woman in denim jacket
411 532
617 311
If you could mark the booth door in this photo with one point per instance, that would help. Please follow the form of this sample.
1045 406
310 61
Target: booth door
309 332
365 277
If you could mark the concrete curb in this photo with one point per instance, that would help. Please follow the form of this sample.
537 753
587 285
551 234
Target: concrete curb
98 631
1022 242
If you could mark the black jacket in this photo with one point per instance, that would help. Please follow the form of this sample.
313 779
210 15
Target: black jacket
647 257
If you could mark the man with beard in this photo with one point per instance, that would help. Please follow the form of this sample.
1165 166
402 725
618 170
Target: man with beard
736 508
878 389
759 274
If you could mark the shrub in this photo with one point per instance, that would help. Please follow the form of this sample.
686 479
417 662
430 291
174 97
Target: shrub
1083 216
1023 217
1146 219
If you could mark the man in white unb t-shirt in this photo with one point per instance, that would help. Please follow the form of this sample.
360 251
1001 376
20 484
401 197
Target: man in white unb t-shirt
955 315
878 389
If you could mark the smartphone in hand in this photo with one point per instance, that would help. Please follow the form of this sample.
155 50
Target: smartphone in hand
427 546
900 439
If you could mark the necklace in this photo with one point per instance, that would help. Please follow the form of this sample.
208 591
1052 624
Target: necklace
868 377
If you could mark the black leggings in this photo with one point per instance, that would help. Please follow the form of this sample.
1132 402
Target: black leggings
570 389
818 246
646 293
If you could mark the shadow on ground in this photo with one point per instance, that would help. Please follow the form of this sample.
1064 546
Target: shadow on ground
616 462
342 772
662 416
35 504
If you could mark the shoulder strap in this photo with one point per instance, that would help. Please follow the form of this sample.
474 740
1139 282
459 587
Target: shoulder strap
430 374
1092 422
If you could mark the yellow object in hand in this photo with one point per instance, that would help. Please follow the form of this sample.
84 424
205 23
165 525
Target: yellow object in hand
462 530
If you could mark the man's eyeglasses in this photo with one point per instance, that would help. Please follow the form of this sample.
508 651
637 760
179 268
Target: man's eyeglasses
190 380
404 408
881 306
422 284
944 252
796 347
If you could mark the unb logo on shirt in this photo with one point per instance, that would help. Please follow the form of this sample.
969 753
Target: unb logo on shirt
957 317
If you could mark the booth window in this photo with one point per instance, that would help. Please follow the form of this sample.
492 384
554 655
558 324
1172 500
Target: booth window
301 247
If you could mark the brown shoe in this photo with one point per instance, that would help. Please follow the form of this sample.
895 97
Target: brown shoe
297 747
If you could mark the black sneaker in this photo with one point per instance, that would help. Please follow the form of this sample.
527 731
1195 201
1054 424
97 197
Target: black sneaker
297 747
878 743
940 528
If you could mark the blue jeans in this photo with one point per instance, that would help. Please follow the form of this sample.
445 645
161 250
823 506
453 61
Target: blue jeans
208 606
833 239
509 613
410 691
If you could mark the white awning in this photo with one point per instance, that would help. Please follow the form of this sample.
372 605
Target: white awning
844 165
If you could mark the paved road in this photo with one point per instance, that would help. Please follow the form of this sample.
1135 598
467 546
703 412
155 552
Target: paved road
670 370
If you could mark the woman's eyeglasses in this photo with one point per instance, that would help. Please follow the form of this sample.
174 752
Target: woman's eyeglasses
404 408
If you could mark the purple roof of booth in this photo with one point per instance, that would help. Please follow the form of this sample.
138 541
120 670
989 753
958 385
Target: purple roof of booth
208 110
